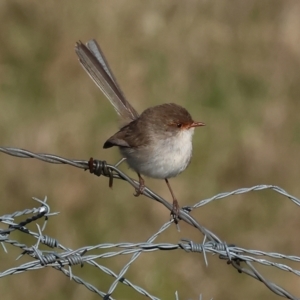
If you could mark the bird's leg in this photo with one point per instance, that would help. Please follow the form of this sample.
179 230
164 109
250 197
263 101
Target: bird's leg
175 209
141 188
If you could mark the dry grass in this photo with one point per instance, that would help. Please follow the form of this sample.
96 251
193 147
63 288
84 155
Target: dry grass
233 64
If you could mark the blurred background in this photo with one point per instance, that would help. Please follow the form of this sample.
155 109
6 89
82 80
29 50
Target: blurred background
233 64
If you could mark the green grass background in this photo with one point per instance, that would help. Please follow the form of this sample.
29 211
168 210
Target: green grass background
233 64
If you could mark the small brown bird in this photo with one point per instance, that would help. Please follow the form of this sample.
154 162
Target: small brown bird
157 143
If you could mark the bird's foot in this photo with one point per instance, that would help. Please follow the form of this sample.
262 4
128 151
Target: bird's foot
175 211
140 190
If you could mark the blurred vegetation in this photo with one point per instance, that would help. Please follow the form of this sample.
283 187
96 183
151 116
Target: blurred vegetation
233 64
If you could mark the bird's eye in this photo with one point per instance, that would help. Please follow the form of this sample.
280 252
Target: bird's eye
179 125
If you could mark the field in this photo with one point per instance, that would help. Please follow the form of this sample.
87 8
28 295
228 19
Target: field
233 64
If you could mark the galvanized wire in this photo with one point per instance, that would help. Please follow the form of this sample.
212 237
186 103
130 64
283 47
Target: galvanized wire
63 258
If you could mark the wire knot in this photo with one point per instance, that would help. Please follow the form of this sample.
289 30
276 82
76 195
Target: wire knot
49 241
189 245
100 167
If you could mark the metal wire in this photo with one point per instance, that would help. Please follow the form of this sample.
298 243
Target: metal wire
63 258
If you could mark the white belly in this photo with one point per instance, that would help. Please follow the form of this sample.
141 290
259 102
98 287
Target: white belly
165 158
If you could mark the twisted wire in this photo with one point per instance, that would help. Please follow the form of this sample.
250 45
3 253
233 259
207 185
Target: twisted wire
62 258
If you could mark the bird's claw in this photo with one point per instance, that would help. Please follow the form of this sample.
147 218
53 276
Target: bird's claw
140 190
175 211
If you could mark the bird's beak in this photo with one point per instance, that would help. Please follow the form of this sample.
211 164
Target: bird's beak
197 124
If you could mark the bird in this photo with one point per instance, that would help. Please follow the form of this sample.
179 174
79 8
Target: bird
156 143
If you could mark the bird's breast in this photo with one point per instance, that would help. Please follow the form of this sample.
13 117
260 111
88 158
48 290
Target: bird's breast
162 157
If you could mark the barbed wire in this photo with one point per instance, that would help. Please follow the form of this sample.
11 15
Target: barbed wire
63 258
